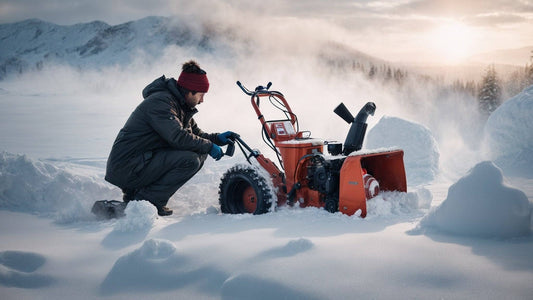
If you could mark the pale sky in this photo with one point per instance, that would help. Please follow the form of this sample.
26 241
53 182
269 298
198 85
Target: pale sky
408 30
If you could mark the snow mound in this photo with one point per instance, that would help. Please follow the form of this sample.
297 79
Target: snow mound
140 215
480 204
509 134
38 187
157 266
421 153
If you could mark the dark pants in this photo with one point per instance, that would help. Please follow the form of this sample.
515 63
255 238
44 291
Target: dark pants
164 173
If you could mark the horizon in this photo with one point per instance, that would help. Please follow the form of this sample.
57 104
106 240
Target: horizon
409 31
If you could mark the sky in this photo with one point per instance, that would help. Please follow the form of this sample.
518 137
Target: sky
396 30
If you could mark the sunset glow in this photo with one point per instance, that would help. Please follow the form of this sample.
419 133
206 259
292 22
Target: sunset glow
452 42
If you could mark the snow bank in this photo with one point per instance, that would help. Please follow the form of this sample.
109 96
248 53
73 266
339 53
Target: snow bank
37 187
509 134
140 215
421 154
480 204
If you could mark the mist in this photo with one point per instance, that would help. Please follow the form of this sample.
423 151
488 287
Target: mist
296 54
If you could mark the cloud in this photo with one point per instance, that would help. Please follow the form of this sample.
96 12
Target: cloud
79 11
497 19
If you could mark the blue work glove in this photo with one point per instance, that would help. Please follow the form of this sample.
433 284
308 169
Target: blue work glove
216 152
224 138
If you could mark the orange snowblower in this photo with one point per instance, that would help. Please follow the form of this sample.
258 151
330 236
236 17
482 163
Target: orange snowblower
344 180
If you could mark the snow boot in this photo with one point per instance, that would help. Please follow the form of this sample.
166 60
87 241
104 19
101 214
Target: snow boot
164 211
108 209
128 195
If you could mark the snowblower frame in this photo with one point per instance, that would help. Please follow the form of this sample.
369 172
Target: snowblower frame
342 181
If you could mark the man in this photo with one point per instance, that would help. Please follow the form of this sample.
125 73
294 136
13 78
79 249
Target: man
161 147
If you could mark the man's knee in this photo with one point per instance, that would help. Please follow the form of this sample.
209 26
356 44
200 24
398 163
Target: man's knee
191 160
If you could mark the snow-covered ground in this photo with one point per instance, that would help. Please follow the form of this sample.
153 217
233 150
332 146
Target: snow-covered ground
463 230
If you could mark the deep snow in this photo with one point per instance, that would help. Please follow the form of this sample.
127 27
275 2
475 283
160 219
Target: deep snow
421 152
508 131
473 241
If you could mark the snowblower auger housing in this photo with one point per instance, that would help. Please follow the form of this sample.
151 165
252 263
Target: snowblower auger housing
342 181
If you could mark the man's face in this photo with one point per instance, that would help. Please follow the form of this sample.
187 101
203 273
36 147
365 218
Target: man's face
193 100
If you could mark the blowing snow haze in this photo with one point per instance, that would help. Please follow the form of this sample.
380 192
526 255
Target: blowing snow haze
313 64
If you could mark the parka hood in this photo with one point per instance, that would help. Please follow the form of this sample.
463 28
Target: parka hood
163 84
158 85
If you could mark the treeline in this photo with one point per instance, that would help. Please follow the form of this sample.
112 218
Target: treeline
493 89
490 90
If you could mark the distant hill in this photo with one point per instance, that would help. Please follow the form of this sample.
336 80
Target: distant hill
31 44
516 57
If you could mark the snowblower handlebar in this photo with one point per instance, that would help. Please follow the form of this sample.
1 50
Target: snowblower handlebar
258 89
236 139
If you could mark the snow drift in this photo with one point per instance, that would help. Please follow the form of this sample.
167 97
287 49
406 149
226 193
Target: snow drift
158 266
421 153
509 134
38 187
480 204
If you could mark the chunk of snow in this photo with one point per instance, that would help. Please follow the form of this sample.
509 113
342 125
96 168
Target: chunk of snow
397 203
509 134
421 153
140 215
480 204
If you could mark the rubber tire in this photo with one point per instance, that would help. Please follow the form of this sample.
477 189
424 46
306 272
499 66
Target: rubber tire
233 184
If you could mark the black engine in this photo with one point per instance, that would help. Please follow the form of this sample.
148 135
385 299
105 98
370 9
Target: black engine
323 176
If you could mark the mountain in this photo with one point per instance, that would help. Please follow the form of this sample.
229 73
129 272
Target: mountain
32 44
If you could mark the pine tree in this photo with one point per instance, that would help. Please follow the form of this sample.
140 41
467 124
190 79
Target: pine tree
490 92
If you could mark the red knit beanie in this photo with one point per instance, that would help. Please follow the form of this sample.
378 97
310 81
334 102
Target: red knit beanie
194 82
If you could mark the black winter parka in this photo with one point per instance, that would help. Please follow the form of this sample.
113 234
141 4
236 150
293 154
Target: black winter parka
163 120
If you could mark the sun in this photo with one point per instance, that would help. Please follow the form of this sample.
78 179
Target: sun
452 42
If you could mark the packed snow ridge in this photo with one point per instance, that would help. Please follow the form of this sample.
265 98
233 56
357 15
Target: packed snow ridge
421 152
39 187
509 134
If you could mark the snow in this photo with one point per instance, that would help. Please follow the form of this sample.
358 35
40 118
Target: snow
509 134
140 216
35 186
421 152
480 204
466 236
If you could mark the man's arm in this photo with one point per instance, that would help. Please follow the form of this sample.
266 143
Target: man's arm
170 128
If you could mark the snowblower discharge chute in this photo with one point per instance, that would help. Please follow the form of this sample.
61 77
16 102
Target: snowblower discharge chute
342 181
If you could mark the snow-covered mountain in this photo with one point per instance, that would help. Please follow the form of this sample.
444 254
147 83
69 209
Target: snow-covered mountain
32 44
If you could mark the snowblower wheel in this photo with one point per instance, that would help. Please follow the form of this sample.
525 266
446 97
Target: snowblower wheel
243 190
